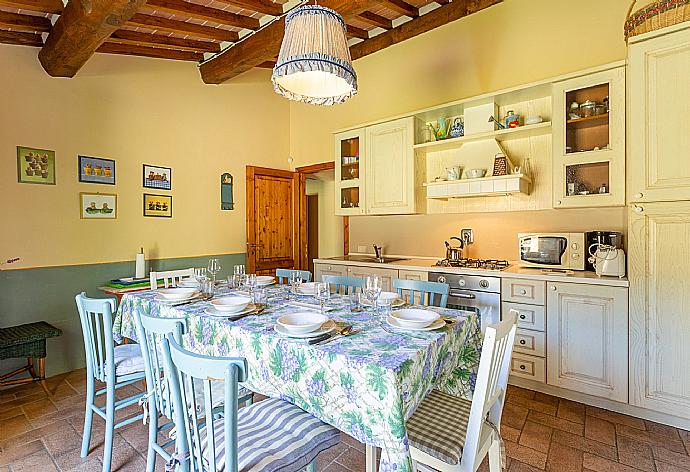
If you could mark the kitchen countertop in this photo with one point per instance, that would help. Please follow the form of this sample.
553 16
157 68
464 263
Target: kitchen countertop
514 271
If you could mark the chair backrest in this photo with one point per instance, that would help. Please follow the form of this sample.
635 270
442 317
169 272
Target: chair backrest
490 388
151 331
170 277
343 284
283 275
426 291
96 316
185 368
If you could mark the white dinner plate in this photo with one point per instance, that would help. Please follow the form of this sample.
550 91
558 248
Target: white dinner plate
327 327
188 283
167 301
435 325
396 303
213 313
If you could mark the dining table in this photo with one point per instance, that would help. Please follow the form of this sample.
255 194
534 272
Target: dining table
366 384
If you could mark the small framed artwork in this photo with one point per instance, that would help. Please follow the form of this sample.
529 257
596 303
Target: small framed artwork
98 206
157 177
35 166
158 205
96 170
226 200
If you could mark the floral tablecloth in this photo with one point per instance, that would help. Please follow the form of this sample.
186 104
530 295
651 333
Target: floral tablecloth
366 384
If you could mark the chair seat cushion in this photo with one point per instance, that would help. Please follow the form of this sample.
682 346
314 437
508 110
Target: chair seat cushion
128 359
217 394
439 425
274 435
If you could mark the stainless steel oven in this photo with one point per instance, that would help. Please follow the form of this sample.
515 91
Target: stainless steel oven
473 291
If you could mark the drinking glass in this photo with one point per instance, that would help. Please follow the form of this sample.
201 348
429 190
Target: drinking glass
239 269
353 299
384 306
207 288
250 282
213 268
322 290
200 274
372 290
261 297
295 281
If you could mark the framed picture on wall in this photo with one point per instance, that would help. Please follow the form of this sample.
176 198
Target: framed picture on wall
96 170
158 205
35 166
157 177
98 206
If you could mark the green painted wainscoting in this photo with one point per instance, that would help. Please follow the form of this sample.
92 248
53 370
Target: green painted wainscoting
47 294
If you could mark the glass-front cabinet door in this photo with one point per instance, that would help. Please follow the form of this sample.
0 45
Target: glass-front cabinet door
589 140
349 172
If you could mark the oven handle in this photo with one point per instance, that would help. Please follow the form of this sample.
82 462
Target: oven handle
468 296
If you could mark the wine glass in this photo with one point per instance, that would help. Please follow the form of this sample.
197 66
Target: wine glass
213 268
250 282
295 280
238 273
322 290
200 275
372 290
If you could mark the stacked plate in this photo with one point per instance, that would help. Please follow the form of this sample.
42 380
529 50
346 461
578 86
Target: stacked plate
230 307
305 324
176 295
415 319
396 301
307 288
265 280
188 283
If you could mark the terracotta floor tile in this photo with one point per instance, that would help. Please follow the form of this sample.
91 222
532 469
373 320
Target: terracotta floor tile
73 463
11 413
614 417
522 392
32 435
536 436
514 415
685 436
525 455
600 430
20 401
599 464
564 459
39 408
584 444
517 466
7 457
38 461
663 454
510 434
571 411
662 429
532 404
352 459
13 427
635 453
651 438
63 441
352 442
329 455
546 398
666 467
335 467
556 423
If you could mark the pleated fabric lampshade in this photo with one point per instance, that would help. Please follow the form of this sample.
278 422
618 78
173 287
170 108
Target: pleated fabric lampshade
314 65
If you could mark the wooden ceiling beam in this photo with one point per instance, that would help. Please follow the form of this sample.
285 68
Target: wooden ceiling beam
402 7
79 31
38 6
182 27
435 18
17 22
265 44
21 38
375 20
201 12
158 40
354 32
267 7
159 53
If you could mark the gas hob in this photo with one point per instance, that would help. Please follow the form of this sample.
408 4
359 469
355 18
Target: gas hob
488 264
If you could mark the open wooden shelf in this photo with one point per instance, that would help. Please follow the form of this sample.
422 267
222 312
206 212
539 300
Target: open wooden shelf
589 121
493 185
499 135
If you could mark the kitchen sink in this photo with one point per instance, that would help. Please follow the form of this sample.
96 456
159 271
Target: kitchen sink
386 260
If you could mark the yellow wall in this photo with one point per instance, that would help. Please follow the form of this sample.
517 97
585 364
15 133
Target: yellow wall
135 111
513 43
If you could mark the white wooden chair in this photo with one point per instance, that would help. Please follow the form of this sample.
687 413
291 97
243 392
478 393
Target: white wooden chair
170 277
452 434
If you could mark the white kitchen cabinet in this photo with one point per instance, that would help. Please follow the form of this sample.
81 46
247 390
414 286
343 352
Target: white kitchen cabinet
589 144
390 184
659 251
350 159
320 270
387 275
658 111
587 339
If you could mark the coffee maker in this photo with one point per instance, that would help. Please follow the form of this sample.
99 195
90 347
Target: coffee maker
606 255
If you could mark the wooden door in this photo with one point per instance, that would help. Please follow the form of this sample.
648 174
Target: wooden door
587 341
659 251
387 275
390 168
272 223
659 128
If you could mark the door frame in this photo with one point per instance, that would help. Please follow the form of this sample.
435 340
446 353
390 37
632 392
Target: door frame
251 172
302 174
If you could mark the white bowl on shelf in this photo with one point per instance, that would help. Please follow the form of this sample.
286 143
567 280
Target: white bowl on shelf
301 322
415 318
230 304
175 294
475 173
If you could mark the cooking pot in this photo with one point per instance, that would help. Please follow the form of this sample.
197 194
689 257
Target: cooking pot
453 253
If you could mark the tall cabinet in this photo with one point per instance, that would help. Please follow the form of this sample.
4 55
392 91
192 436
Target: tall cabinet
659 220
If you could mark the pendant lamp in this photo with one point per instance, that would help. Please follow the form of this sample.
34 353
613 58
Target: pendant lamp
314 64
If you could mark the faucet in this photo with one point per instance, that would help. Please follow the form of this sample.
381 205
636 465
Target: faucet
379 253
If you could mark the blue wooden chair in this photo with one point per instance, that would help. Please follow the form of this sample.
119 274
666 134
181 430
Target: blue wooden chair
116 366
268 435
427 291
283 275
343 284
150 332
